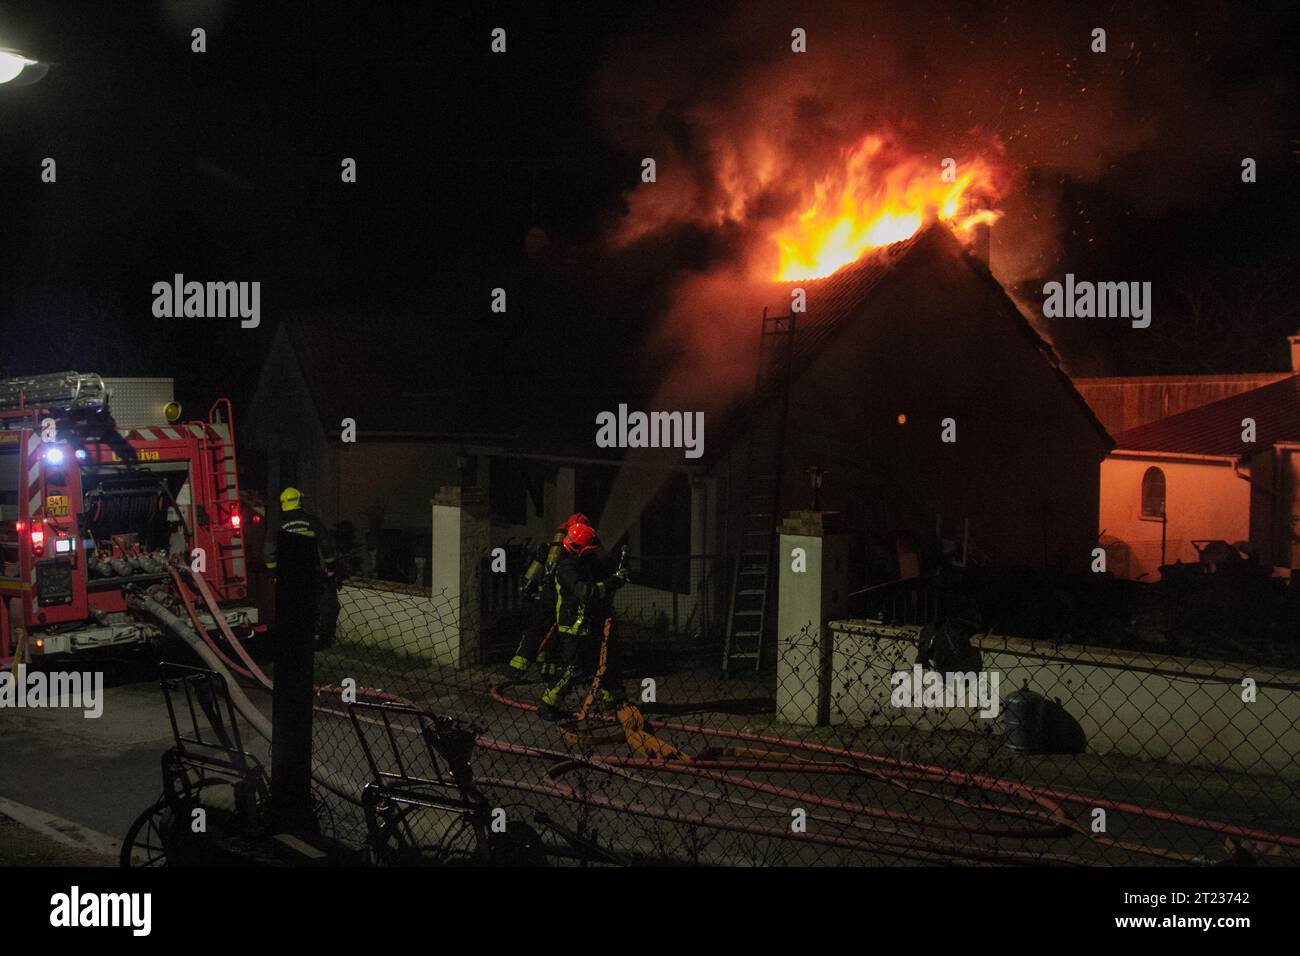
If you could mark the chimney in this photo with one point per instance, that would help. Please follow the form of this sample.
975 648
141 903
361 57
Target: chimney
980 239
1295 353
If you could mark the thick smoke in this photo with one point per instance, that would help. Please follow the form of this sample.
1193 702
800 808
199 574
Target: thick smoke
739 125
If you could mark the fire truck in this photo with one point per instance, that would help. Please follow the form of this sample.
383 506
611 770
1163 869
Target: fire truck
92 512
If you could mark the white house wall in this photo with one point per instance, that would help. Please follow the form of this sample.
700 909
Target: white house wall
1203 500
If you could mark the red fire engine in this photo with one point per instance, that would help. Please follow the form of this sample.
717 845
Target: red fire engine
91 512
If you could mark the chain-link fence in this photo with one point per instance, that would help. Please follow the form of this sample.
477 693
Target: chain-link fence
864 742
674 607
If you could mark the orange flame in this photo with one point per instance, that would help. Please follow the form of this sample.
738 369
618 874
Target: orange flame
881 195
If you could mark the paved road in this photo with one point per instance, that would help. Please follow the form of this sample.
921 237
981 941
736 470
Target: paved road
99 773
22 846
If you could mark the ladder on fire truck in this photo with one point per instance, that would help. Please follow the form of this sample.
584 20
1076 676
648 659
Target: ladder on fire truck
59 390
217 447
760 491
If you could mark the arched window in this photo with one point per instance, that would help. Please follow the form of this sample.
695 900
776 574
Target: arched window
1153 493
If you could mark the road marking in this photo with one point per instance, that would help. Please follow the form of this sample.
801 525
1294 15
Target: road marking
61 830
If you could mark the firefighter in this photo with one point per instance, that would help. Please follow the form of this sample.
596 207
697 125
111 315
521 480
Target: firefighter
584 621
297 520
294 553
538 639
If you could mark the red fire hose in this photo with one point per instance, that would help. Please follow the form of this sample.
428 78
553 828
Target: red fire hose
1043 813
1049 816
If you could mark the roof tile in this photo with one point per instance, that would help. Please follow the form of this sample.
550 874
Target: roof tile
1215 429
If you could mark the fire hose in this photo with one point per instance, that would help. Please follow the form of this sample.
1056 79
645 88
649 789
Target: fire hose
1045 814
1049 816
196 636
249 668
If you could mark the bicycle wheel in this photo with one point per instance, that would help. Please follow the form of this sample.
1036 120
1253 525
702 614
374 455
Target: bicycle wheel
143 844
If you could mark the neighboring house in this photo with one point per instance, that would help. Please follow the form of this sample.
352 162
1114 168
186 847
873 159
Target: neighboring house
423 422
410 412
1125 402
1194 478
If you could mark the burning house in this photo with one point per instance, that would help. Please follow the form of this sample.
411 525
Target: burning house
917 403
923 397
913 399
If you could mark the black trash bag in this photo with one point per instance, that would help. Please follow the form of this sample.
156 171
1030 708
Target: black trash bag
946 647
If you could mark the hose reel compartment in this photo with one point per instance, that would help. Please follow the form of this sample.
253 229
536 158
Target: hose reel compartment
121 501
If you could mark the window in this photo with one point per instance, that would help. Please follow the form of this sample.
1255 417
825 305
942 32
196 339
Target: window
1153 493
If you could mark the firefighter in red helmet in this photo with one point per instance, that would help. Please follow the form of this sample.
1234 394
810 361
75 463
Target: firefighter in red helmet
584 620
538 643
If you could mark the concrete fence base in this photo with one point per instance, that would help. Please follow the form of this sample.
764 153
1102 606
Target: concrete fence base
403 620
1180 710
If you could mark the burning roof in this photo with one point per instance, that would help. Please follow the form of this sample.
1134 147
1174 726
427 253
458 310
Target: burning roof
849 296
879 193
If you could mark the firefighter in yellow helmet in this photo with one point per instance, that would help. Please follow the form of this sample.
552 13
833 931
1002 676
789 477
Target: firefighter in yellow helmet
306 605
298 521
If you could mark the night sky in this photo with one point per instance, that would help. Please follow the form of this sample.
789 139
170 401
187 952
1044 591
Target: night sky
478 170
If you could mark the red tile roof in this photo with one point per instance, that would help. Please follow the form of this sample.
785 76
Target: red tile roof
1215 429
1125 402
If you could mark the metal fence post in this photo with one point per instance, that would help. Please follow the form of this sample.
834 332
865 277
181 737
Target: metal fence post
673 583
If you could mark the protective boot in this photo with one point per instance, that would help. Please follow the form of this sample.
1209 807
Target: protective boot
515 671
547 667
550 708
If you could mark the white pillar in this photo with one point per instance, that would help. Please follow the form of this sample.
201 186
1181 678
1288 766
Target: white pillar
813 569
461 529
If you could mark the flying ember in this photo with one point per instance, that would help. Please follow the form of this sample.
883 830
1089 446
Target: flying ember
878 195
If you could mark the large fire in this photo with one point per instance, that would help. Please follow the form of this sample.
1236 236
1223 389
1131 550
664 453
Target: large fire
879 195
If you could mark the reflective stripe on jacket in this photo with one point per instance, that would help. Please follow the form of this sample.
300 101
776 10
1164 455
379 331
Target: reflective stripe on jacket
581 594
299 521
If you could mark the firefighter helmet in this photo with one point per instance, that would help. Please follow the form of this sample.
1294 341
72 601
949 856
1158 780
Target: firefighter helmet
290 499
579 539
575 518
